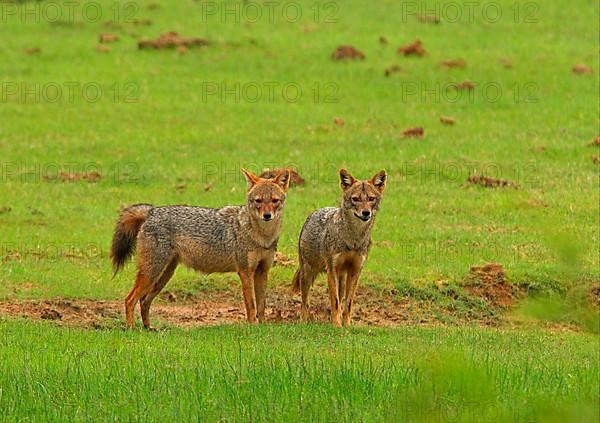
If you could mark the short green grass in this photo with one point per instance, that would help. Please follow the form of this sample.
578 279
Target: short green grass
297 373
174 145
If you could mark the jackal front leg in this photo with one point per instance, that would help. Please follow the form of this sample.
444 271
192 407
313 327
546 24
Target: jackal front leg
247 278
334 297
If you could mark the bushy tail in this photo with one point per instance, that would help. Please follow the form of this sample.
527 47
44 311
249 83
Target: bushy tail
128 226
296 281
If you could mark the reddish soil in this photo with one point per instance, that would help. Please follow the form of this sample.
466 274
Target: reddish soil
75 176
295 178
212 308
488 182
582 69
489 282
106 38
172 40
453 63
447 120
414 49
347 52
466 85
417 132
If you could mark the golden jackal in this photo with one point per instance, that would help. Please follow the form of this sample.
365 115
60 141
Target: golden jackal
337 240
240 239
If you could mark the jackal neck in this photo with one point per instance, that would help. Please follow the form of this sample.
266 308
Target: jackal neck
263 234
355 233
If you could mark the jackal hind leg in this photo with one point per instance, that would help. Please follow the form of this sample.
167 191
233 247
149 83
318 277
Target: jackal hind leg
307 278
157 286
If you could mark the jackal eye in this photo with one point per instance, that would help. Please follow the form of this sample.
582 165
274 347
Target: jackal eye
275 200
258 200
356 199
371 198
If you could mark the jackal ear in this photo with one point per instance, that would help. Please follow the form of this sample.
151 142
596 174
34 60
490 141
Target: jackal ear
250 177
346 180
378 180
283 179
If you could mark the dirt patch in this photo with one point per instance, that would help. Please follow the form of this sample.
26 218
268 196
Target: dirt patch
383 40
338 121
507 63
392 70
487 182
212 308
596 141
582 69
74 177
283 260
5 209
447 120
453 63
429 19
32 50
417 132
295 178
106 38
595 295
489 282
596 160
347 52
172 40
466 85
414 49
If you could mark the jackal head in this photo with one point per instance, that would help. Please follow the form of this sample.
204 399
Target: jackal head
265 198
362 198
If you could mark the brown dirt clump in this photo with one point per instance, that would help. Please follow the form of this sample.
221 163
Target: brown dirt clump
595 295
339 121
596 141
75 176
295 178
507 63
466 85
282 260
106 38
392 69
429 19
489 282
5 209
487 182
102 49
596 159
417 132
172 40
347 52
414 49
447 120
453 63
383 40
32 50
582 69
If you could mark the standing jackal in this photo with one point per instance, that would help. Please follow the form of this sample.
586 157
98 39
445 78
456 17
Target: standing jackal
337 240
240 239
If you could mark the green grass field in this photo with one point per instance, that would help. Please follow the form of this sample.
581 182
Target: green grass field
164 127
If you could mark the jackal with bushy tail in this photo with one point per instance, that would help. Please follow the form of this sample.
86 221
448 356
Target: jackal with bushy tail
241 239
